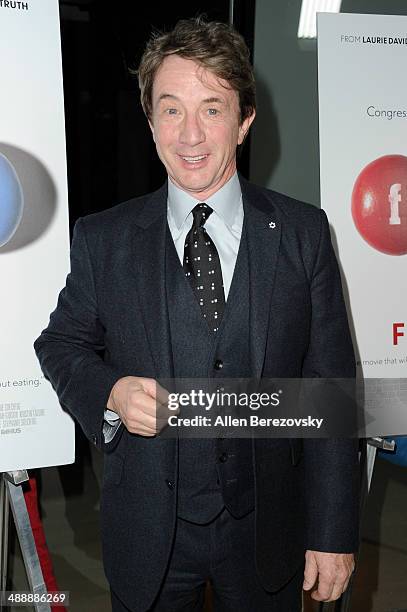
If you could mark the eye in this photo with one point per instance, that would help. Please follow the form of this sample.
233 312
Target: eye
213 112
171 111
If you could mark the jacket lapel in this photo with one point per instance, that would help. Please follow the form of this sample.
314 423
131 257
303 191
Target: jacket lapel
148 262
263 226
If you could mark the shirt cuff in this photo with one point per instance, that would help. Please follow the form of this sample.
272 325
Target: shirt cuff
111 417
111 425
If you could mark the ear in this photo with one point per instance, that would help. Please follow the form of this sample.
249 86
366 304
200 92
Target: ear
151 128
244 127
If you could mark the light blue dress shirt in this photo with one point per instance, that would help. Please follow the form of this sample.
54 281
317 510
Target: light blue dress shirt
224 226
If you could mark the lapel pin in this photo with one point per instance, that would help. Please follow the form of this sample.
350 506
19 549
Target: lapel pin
272 225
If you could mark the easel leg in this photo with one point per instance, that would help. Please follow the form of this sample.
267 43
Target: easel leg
4 519
13 491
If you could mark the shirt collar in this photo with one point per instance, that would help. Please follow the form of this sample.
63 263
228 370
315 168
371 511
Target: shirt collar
225 202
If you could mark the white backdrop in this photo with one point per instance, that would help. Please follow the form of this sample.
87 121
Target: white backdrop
34 260
362 63
363 154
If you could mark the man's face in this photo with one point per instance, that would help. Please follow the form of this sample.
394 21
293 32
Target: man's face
195 125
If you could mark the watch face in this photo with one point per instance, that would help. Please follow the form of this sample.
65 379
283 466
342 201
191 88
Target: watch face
379 204
11 200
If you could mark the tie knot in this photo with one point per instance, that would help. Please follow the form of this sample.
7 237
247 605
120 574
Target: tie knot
201 212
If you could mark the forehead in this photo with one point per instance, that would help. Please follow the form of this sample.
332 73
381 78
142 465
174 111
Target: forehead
182 77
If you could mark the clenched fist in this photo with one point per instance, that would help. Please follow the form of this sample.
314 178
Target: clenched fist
141 404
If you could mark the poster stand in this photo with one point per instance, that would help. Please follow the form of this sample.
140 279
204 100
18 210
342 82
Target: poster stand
12 496
367 461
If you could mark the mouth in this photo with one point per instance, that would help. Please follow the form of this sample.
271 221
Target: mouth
189 159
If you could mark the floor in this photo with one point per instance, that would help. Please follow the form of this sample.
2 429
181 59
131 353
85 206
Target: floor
70 506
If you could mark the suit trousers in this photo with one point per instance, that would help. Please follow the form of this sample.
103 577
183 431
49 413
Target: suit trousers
221 552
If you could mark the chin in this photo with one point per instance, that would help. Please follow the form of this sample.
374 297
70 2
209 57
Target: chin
199 187
191 185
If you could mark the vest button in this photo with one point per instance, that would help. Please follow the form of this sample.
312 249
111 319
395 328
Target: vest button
170 484
218 364
223 458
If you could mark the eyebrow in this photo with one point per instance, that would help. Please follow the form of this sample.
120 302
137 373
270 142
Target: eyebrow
164 96
212 100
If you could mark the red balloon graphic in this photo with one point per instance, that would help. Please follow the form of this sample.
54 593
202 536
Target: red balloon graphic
379 204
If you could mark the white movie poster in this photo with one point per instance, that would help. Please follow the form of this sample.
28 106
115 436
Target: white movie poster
34 231
363 146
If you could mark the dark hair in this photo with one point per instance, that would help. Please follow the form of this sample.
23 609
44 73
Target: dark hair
215 46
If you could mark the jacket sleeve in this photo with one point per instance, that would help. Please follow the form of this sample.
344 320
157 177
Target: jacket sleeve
331 465
70 349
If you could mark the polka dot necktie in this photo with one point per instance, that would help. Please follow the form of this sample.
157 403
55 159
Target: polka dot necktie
202 268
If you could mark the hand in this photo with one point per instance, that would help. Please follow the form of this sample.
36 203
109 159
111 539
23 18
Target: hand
332 570
141 404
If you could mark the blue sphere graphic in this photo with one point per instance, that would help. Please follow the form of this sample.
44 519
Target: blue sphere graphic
11 200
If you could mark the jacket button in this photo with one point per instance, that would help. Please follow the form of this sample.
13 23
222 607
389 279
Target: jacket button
223 458
94 439
170 484
218 364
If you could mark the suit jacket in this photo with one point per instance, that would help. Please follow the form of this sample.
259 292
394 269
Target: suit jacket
111 321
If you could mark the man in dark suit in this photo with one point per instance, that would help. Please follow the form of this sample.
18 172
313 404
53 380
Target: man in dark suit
208 277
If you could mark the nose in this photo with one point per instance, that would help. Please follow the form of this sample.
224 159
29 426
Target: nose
192 132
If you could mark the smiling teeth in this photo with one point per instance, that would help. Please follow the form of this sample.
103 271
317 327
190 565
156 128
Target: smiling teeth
194 159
